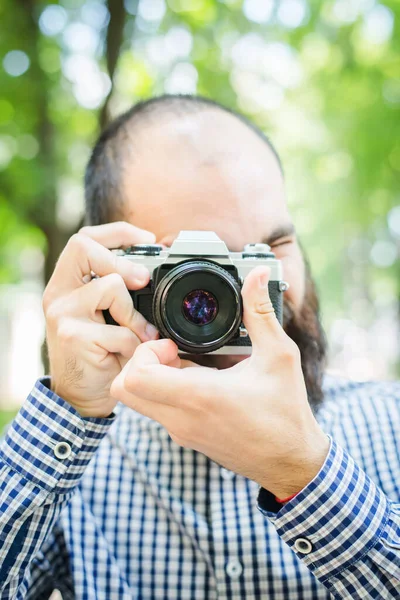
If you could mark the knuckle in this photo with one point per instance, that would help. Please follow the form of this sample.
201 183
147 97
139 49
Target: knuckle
66 333
290 352
52 312
265 308
77 242
86 230
123 227
118 264
136 323
115 280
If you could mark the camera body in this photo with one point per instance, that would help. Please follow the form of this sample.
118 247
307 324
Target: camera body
194 292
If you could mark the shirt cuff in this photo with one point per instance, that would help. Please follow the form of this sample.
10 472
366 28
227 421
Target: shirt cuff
49 443
335 520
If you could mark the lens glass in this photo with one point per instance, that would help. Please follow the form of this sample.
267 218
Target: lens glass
200 307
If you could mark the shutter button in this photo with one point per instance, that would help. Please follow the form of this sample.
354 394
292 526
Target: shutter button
62 450
303 546
234 569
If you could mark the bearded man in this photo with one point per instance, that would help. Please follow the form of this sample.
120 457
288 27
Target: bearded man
224 477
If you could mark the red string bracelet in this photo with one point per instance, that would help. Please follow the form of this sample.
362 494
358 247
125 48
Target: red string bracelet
284 500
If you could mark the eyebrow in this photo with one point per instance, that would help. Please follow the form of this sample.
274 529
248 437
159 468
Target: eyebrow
279 232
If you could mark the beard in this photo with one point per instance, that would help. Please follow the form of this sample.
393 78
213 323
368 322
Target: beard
305 329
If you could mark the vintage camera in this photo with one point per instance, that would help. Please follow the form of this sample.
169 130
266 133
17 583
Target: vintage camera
194 292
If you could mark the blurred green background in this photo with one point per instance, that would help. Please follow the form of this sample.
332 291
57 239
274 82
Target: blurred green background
321 77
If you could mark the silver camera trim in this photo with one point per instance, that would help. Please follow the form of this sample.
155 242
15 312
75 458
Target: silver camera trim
207 245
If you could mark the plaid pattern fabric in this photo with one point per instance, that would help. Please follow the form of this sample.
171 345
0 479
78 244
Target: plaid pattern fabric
127 514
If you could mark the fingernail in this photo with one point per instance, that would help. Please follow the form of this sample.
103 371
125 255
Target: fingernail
264 279
151 331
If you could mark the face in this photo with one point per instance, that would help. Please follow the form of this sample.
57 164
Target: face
209 171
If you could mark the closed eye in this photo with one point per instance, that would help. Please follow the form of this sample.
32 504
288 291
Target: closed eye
284 234
283 242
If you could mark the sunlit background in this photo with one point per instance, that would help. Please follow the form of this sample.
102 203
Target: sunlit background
322 78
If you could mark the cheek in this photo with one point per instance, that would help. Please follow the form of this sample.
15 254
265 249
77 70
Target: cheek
294 274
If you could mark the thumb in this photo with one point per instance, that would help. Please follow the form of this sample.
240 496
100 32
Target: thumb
258 312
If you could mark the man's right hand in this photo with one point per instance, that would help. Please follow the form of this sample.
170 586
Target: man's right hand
86 354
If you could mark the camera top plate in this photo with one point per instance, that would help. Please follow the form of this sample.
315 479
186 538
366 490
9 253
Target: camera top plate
198 243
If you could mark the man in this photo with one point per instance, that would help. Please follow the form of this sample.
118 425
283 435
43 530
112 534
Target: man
249 480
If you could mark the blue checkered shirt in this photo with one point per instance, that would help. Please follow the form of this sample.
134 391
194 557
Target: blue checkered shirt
113 509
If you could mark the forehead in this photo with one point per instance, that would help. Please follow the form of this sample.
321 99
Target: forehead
203 171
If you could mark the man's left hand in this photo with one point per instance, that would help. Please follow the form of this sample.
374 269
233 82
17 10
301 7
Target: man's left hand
253 418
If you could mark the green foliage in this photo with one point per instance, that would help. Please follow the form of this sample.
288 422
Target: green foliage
6 416
326 90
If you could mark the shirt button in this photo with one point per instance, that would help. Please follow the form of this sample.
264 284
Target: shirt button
303 546
225 474
62 450
234 569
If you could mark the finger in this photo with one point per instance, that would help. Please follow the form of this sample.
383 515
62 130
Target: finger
176 363
163 384
124 387
258 312
116 340
174 387
110 293
81 256
119 234
159 352
149 376
153 410
103 338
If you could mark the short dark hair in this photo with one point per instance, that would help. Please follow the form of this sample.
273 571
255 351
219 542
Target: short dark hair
103 180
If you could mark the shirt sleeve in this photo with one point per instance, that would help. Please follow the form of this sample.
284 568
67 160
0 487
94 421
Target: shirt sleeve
42 459
344 529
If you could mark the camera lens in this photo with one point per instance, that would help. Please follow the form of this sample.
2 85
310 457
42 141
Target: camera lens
200 307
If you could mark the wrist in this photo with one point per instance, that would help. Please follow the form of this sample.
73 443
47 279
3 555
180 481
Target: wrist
299 470
101 409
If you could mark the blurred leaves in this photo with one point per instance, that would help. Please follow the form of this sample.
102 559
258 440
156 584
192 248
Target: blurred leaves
322 78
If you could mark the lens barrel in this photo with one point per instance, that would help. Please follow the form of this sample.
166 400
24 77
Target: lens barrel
198 305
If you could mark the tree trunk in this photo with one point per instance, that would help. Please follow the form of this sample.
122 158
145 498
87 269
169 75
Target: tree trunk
115 34
43 214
